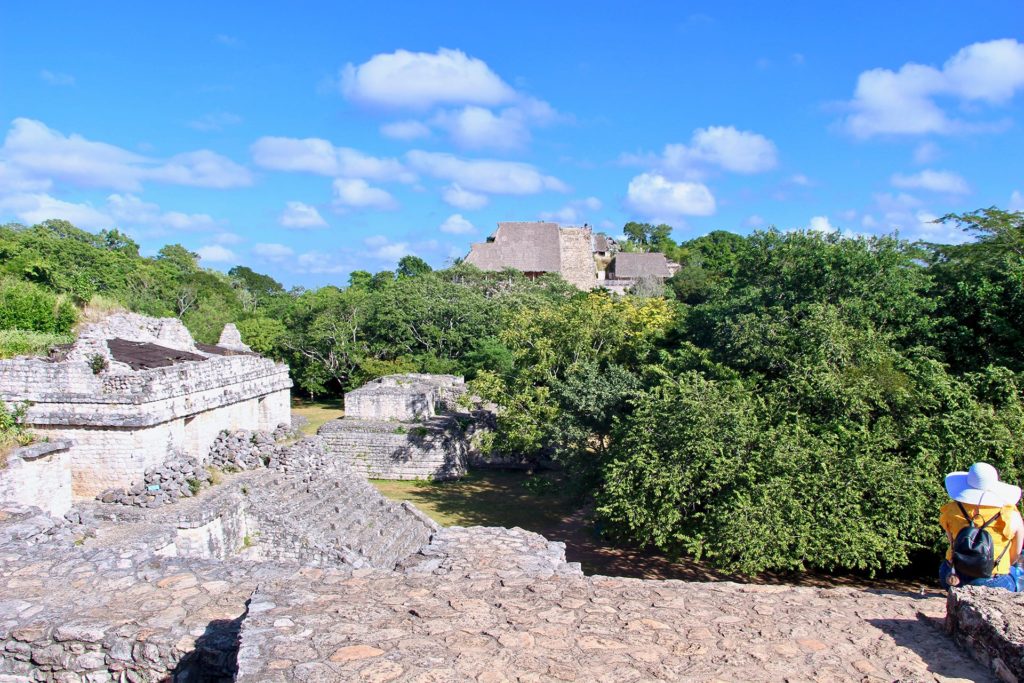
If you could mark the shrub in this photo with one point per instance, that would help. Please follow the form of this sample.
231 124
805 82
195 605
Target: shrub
29 343
28 306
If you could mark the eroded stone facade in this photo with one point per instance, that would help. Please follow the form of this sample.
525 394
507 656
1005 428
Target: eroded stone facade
403 427
123 419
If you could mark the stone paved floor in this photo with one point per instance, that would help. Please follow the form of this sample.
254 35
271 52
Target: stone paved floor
491 604
383 627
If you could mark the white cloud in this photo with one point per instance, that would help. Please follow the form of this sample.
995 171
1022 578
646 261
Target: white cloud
272 251
724 147
132 212
405 130
127 212
933 181
215 253
478 128
926 153
653 195
228 238
821 224
421 80
455 196
1016 201
37 151
215 121
754 221
299 215
457 225
801 180
37 207
573 212
906 214
318 262
356 193
202 169
316 155
383 248
56 78
485 175
904 102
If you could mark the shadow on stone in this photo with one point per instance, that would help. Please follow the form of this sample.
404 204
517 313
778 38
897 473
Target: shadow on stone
215 657
927 637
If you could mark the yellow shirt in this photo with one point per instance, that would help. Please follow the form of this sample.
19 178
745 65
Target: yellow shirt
952 520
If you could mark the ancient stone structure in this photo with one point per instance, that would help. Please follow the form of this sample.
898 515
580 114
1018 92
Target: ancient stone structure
39 475
582 257
989 623
295 568
403 427
132 390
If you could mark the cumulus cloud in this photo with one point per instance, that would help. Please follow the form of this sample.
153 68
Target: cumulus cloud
573 212
318 262
484 175
457 225
1016 201
316 155
456 196
356 193
125 211
478 128
37 151
131 211
215 253
299 215
724 147
421 80
383 248
821 224
905 102
38 207
272 251
653 195
405 130
945 182
906 214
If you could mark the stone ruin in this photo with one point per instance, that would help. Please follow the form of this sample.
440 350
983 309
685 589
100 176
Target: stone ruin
404 427
294 568
131 393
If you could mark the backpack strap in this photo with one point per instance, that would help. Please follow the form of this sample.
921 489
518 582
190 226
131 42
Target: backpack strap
970 520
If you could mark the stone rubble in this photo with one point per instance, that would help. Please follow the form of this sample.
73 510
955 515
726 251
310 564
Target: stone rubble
180 476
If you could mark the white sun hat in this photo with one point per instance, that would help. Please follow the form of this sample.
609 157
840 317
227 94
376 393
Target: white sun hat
980 485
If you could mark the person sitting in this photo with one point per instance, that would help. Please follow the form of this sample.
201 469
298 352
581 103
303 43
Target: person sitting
984 529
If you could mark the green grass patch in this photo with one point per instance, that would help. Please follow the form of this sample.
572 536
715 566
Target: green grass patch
317 412
487 498
29 343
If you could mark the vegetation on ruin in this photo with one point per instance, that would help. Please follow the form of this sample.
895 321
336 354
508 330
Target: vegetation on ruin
793 403
12 429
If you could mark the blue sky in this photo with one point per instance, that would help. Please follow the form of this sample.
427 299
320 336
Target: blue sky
313 139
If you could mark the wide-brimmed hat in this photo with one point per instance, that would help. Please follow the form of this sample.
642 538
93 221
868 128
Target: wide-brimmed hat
980 485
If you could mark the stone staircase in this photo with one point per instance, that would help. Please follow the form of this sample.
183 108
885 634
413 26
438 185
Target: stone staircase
332 517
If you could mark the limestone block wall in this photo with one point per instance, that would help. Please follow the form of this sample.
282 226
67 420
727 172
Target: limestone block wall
989 624
115 457
577 257
217 530
39 475
376 449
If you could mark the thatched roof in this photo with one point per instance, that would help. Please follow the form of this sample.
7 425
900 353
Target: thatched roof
631 265
532 247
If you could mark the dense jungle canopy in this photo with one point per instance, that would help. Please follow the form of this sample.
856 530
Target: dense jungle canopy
788 400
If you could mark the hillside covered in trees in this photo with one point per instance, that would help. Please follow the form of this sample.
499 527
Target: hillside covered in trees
792 400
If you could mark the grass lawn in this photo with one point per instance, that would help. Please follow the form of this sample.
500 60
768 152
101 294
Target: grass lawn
317 412
487 498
